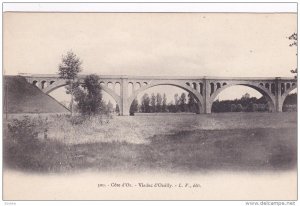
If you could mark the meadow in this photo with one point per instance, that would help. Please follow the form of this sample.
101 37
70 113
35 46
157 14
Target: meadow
161 142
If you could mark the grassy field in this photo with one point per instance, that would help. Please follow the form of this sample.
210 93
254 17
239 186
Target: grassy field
175 143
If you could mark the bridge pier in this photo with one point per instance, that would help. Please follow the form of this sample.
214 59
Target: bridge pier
206 97
124 107
278 95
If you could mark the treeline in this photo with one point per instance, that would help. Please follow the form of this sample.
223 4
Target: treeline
290 103
291 99
245 104
250 104
158 103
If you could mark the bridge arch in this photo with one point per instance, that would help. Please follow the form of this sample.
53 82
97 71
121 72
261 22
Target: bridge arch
182 85
35 83
59 84
261 89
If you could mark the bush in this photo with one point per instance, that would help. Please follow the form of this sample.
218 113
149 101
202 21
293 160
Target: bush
22 131
21 142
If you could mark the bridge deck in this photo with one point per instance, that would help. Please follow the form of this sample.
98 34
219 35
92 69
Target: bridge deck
160 77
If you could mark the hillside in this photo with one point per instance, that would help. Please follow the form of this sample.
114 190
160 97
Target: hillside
22 97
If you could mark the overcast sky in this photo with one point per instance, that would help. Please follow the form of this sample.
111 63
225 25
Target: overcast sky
152 44
197 44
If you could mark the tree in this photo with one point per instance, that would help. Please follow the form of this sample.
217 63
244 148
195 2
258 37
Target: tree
171 107
294 39
134 107
68 69
291 99
158 102
246 97
145 105
117 109
239 108
192 103
164 103
110 107
176 106
153 102
182 102
233 108
89 96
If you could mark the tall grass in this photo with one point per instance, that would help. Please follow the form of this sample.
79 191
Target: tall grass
53 143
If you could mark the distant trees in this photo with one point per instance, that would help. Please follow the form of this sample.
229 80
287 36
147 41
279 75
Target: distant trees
244 104
290 103
291 99
68 69
153 103
134 107
117 110
182 102
110 107
176 106
145 105
171 107
158 103
192 104
164 103
186 102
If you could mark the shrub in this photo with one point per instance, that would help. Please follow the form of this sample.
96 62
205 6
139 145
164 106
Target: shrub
22 131
21 143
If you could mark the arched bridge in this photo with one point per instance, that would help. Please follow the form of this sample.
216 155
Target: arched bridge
204 89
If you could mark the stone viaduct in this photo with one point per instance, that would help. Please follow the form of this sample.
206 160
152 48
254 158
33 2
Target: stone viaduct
204 89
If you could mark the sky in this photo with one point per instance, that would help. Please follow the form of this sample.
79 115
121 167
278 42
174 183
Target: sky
163 44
